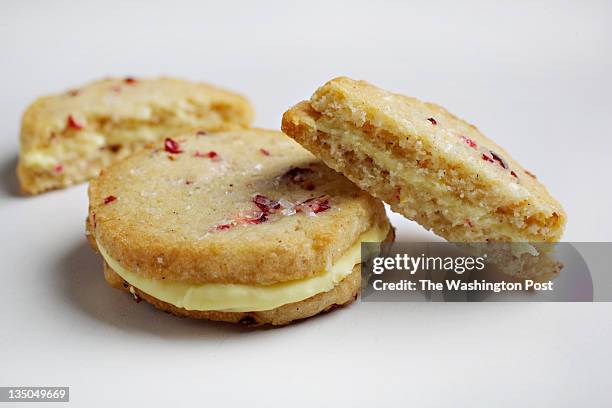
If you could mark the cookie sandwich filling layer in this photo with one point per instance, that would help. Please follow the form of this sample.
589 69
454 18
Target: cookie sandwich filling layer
248 298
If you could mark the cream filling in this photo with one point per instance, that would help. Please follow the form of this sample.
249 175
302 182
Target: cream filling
83 144
247 298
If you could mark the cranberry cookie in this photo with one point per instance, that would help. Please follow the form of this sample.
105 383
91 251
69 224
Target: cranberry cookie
433 168
240 226
67 138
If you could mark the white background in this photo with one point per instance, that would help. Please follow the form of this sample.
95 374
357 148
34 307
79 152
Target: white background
535 76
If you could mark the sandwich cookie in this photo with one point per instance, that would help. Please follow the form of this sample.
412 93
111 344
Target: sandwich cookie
430 166
241 226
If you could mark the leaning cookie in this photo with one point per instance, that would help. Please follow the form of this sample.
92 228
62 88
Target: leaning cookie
240 226
67 138
428 165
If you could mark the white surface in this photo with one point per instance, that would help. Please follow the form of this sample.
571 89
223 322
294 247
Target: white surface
535 77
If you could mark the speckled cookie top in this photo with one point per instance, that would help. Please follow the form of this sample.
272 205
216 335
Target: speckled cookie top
236 207
130 101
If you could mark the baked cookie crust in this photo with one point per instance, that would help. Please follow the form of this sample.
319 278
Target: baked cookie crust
68 138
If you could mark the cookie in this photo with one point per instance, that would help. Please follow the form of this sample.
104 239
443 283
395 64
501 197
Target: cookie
67 138
239 226
433 168
426 163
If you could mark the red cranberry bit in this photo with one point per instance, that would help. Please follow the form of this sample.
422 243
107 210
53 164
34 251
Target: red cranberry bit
512 173
58 168
487 158
264 152
222 227
188 182
318 204
469 142
209 155
469 222
433 121
93 219
172 146
266 205
130 80
109 199
73 124
499 159
201 133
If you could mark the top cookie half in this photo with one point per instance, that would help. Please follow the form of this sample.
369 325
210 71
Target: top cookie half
247 206
67 138
426 163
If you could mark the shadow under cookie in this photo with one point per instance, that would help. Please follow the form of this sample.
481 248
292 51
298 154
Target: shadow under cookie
8 177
